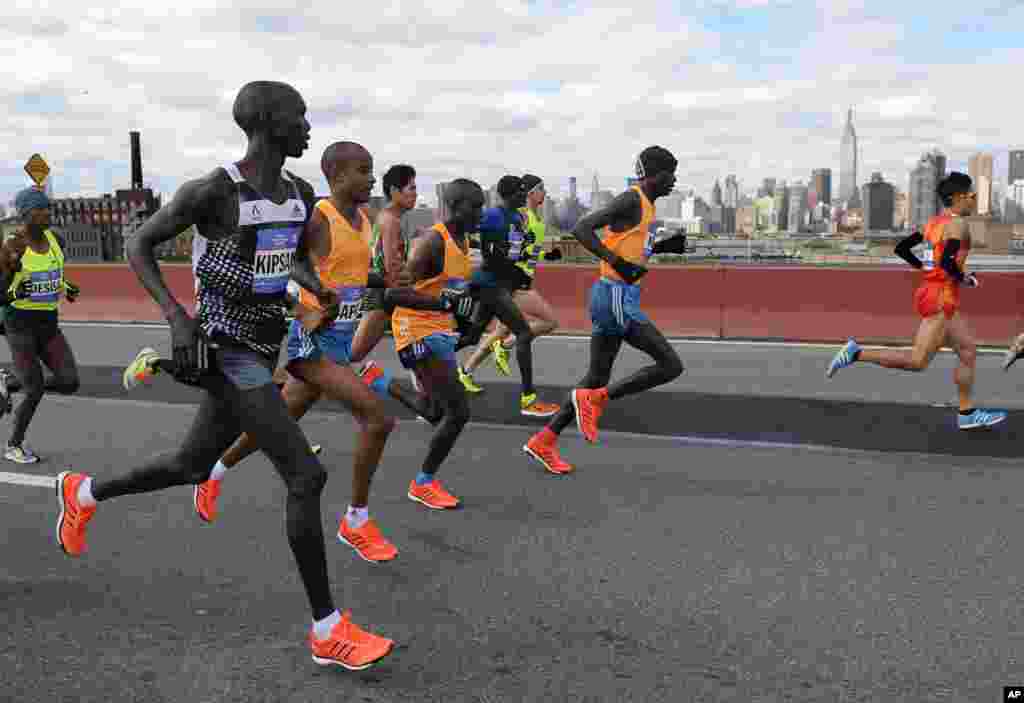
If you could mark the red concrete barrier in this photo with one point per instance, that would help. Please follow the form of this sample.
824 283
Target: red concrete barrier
755 302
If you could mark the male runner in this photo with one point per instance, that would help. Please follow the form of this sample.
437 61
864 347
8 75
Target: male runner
535 308
628 242
503 240
33 284
937 301
338 237
425 331
253 214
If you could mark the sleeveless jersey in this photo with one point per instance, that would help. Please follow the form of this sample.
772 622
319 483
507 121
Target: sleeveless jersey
536 226
410 326
346 268
242 277
45 273
633 245
932 257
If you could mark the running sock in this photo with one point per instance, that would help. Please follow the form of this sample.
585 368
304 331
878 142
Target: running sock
85 497
422 479
381 384
357 517
322 628
218 471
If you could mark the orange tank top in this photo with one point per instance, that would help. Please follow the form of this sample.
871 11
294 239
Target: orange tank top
933 272
346 268
410 326
633 245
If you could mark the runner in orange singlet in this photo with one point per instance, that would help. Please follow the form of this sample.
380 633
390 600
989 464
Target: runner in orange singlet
937 301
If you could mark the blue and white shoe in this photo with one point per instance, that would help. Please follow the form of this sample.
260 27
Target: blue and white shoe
846 356
980 418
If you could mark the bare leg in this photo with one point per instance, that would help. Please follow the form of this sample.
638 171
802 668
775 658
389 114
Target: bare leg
930 337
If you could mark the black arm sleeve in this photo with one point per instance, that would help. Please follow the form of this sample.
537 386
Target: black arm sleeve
948 264
375 280
903 250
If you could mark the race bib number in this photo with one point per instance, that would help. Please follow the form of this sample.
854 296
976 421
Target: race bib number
649 242
350 309
44 286
272 264
515 240
928 259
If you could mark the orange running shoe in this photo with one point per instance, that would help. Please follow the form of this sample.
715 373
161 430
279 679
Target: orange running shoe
589 405
531 407
350 646
546 452
433 495
368 541
73 517
204 499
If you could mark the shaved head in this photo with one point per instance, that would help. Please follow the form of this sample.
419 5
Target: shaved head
258 102
461 189
337 155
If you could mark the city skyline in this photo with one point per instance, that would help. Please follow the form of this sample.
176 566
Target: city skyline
732 87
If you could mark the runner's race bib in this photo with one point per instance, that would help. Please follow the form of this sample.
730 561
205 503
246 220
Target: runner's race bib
44 286
350 309
272 264
928 258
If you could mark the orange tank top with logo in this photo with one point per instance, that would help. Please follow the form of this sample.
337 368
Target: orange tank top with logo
346 268
932 258
633 245
411 326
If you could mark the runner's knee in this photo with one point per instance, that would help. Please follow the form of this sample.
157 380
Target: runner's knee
968 354
67 385
672 366
307 478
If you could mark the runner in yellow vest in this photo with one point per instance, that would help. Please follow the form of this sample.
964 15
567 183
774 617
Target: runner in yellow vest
34 286
537 310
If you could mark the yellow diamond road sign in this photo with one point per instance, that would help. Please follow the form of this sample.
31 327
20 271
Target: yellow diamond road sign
37 168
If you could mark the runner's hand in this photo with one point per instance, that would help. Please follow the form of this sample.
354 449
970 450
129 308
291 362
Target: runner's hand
971 281
190 348
458 302
553 255
71 291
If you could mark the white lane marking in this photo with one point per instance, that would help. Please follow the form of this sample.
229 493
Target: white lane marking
555 339
28 480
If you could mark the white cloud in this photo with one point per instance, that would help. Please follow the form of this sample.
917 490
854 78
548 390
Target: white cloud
469 88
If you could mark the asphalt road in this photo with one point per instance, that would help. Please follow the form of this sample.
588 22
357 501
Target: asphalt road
657 572
751 532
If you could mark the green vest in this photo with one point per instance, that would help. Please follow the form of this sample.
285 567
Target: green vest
46 275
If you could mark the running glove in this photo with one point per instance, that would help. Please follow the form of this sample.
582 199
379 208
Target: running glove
71 291
553 255
971 281
630 272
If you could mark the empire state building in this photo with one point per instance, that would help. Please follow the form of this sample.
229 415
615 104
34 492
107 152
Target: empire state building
848 161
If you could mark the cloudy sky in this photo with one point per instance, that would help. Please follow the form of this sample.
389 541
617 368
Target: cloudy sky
469 88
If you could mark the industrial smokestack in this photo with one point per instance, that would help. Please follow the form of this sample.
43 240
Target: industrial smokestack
136 161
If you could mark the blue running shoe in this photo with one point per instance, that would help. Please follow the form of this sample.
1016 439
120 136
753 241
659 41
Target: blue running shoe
980 418
846 356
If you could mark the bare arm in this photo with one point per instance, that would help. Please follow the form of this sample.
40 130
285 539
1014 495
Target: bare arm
391 244
622 208
422 265
194 203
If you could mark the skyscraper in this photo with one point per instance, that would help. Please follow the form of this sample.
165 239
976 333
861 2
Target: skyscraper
767 188
731 197
848 161
1016 166
979 167
781 206
879 204
595 188
716 194
572 188
822 183
442 207
924 180
797 207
